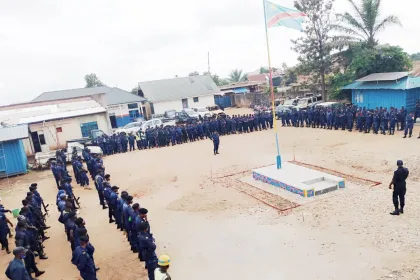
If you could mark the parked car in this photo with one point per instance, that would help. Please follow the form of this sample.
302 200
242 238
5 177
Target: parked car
282 109
183 118
291 102
308 102
191 113
215 110
329 104
44 159
202 112
129 128
136 126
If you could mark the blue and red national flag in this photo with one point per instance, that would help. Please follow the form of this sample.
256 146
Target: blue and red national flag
276 15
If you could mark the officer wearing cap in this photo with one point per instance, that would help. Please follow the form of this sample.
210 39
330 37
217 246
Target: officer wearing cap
83 260
161 272
16 268
148 247
400 175
112 204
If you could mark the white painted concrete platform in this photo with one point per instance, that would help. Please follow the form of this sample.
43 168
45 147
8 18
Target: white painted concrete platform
297 179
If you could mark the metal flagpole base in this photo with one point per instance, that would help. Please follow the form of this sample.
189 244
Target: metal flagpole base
278 162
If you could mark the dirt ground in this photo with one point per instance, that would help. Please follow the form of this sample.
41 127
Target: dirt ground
211 230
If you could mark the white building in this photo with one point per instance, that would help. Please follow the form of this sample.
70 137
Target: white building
122 106
179 93
52 123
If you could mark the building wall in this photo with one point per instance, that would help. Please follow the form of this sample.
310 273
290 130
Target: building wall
13 160
412 96
203 101
379 98
70 129
122 113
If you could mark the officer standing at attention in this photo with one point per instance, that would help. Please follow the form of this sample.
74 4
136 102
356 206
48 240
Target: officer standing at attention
16 268
400 175
216 142
409 121
148 247
83 261
4 231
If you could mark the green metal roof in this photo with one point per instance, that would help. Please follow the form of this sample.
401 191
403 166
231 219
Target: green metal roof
402 84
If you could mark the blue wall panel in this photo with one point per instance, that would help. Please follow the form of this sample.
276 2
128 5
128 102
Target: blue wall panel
121 121
13 159
372 98
412 96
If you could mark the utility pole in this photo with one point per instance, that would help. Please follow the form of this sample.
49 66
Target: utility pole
208 62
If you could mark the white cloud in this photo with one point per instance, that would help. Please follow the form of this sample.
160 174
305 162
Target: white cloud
50 45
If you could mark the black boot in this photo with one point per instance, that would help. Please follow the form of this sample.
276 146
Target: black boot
39 273
111 221
395 213
401 211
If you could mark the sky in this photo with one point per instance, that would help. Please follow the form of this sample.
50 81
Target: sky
51 45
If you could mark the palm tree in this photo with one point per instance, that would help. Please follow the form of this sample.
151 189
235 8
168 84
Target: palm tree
365 23
237 75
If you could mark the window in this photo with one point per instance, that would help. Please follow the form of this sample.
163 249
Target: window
87 128
195 99
134 114
59 129
42 139
133 106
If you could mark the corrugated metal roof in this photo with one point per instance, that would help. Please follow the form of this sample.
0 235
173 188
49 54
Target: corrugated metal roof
391 76
119 96
8 133
178 88
403 84
47 112
113 96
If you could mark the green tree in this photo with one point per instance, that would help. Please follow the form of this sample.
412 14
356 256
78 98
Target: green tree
134 90
415 57
365 23
237 75
315 47
362 61
194 73
93 81
217 80
263 70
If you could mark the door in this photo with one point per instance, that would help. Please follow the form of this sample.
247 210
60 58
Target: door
35 142
113 121
185 103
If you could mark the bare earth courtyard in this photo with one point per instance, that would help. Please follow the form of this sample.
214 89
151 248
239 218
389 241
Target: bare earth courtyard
202 217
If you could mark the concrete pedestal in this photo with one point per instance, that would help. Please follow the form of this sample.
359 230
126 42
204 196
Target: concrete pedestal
298 179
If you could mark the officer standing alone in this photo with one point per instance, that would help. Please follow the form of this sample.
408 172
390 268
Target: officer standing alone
400 175
216 142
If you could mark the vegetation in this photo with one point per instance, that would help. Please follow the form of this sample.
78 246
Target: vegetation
315 46
365 22
93 81
237 75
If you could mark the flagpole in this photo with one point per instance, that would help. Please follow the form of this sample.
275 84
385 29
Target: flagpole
278 159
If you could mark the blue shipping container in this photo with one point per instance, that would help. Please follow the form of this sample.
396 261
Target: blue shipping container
13 160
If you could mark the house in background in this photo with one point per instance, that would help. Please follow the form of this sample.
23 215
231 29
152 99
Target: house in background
179 93
52 123
245 87
394 89
122 106
13 160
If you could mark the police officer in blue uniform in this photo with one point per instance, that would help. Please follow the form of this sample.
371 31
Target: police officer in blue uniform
216 142
398 181
4 231
409 121
16 269
148 247
83 260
